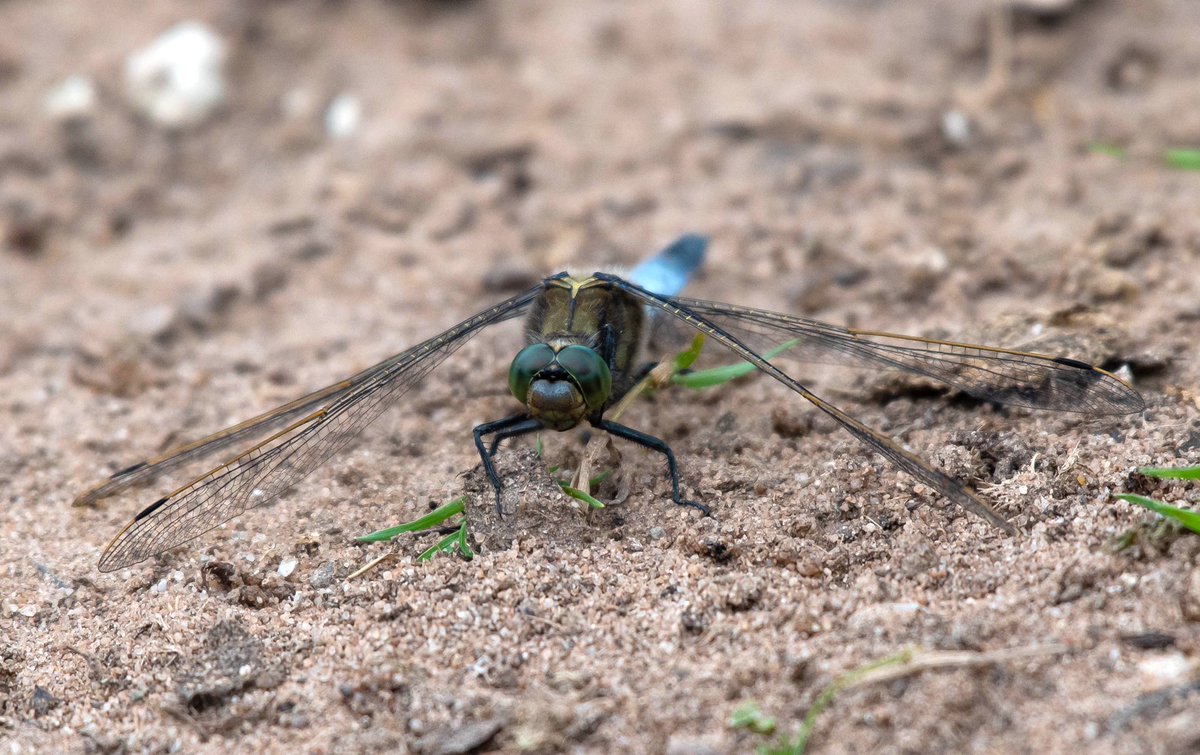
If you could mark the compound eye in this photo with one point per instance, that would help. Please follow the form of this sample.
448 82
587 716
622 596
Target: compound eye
528 362
589 372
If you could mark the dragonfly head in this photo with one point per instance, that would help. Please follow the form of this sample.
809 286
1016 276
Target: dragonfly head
560 388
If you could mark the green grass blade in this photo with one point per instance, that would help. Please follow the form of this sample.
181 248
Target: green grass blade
714 377
1171 473
1182 159
748 716
823 701
721 375
427 522
579 495
455 541
1179 159
440 546
445 545
1189 519
1107 149
687 358
464 548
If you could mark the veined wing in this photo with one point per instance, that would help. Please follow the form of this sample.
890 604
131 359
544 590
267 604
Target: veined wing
1017 378
265 470
885 446
243 432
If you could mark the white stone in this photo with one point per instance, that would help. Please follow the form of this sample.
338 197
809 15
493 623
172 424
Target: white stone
343 116
72 100
178 80
956 127
1165 670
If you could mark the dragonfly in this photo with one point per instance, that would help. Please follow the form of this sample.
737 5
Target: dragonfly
585 339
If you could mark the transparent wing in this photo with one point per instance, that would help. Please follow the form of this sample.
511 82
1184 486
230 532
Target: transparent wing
728 324
244 432
1010 377
271 466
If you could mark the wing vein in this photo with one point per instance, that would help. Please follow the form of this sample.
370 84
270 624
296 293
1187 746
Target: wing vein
265 470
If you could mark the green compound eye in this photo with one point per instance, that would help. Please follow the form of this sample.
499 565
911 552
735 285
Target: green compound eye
528 362
589 372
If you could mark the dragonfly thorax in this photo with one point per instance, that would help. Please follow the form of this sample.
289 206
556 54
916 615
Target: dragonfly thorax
560 386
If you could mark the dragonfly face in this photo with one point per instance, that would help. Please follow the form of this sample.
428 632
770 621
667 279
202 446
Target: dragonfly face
560 387
584 337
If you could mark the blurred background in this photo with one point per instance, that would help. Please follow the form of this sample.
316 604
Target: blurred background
490 142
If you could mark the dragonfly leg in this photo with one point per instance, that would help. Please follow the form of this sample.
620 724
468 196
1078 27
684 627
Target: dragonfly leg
518 424
654 444
524 428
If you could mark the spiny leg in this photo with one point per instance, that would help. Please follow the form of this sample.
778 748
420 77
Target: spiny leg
517 424
654 444
525 428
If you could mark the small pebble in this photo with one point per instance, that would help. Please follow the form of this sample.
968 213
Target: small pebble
178 80
1165 670
201 308
252 596
322 577
343 117
682 744
956 128
461 739
72 100
153 322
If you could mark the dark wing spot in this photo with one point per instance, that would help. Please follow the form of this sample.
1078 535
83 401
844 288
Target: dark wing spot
127 470
1074 363
150 509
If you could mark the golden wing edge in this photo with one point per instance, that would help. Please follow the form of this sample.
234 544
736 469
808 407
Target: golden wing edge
1111 394
116 554
915 466
124 539
1137 403
150 468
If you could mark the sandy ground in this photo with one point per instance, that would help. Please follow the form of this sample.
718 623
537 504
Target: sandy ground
852 161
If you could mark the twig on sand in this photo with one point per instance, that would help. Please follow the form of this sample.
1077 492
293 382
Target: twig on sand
935 660
370 565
